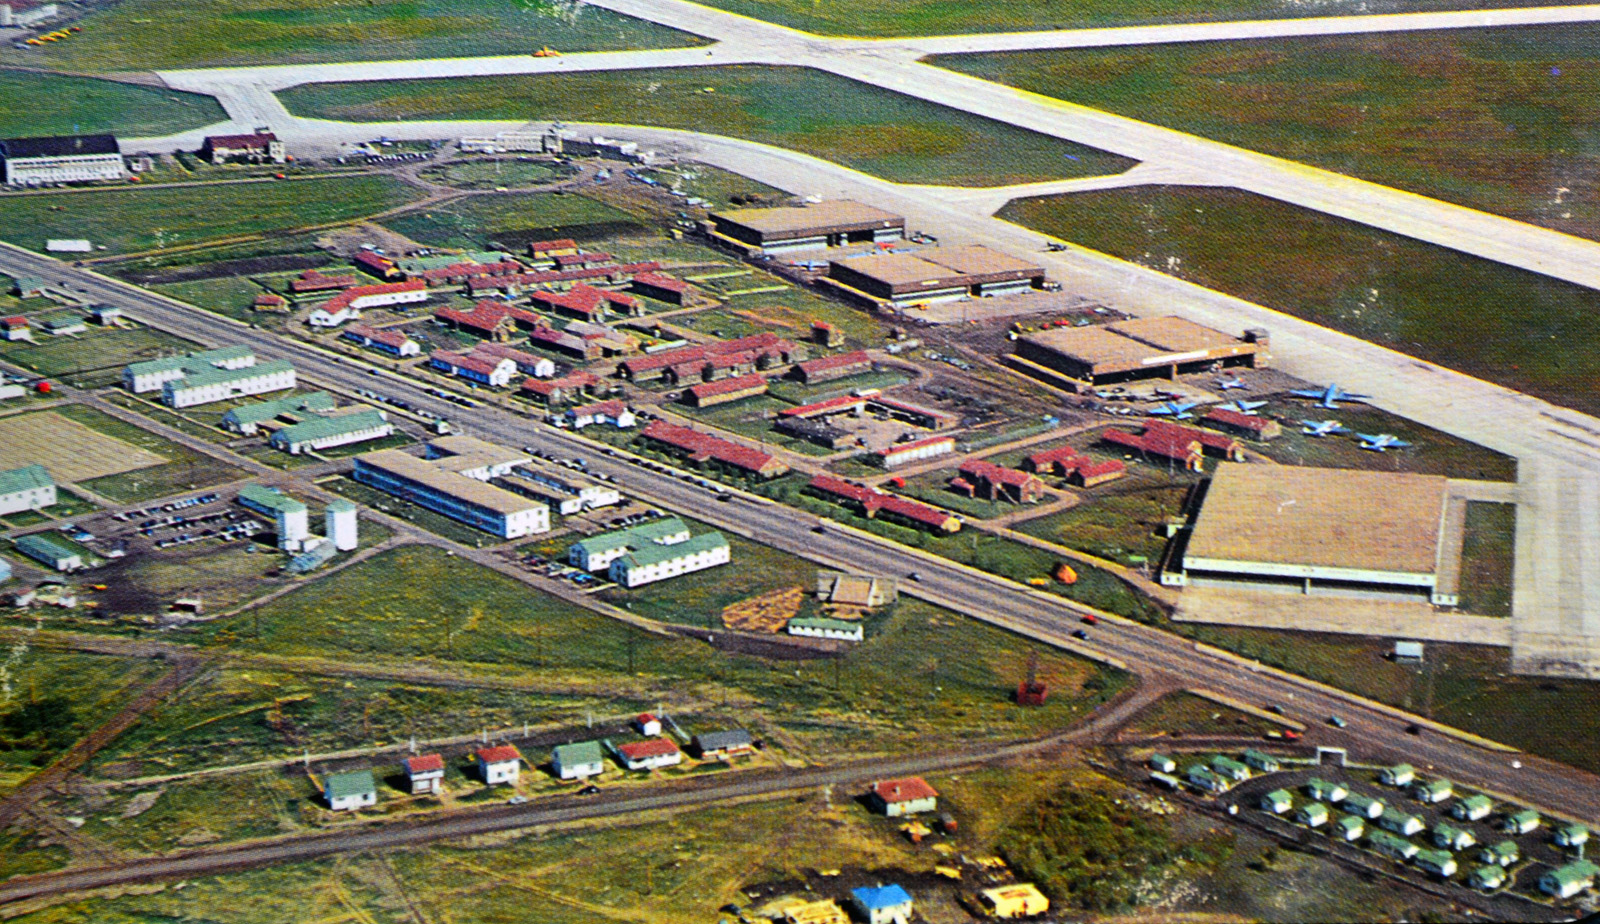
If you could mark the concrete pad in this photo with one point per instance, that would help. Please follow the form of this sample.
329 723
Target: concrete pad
1267 609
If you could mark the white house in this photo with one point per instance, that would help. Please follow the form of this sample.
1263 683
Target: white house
496 373
26 488
322 317
596 553
909 796
222 384
349 791
888 904
648 725
576 761
499 764
649 754
425 773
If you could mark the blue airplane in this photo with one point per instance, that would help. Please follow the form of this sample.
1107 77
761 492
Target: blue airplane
1174 410
1226 384
1381 441
1243 407
1330 396
1321 427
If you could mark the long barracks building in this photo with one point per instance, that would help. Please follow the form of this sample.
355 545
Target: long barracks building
61 159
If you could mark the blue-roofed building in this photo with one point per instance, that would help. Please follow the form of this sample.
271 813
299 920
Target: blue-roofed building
889 904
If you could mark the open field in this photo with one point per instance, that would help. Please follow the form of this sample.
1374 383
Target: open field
1114 521
934 17
229 296
1423 300
166 34
125 220
1487 559
489 173
511 220
1432 452
873 130
185 470
1184 714
1497 119
72 451
94 358
752 417
50 104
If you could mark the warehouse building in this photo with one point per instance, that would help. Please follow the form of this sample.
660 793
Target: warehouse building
711 394
393 342
703 448
27 488
484 370
789 228
61 159
1141 348
150 375
49 551
452 480
936 274
220 384
358 426
828 368
1329 527
914 451
247 419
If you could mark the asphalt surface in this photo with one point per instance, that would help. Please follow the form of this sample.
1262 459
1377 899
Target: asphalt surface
1373 731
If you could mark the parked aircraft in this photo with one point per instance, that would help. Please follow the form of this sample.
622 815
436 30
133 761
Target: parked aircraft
1226 384
1321 427
1243 407
1330 396
1381 441
1174 410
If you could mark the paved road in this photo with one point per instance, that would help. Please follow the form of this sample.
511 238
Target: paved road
1372 730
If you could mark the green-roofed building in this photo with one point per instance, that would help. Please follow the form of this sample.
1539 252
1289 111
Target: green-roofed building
1350 827
151 374
1439 863
49 551
1358 804
1567 881
1487 878
248 418
596 553
579 760
219 383
289 517
1402 823
1472 808
27 488
1521 822
1231 769
1277 802
651 562
63 323
334 430
1395 848
842 630
1504 853
1326 791
1451 837
1259 760
1572 836
351 790
1313 814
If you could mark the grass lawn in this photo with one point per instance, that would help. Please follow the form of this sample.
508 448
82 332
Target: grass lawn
1432 452
167 34
490 173
873 130
185 469
126 220
261 803
229 296
34 104
1114 521
1502 120
789 313
511 220
94 358
1487 559
936 17
1427 301
934 488
1179 714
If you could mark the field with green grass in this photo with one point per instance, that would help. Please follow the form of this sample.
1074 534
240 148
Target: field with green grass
938 17
1429 302
95 358
492 173
1114 521
184 470
511 220
752 417
34 104
167 34
229 296
1178 714
873 130
697 599
126 220
1502 120
1488 558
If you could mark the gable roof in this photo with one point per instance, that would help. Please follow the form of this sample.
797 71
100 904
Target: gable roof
650 747
424 763
349 783
580 752
908 789
25 478
499 754
874 898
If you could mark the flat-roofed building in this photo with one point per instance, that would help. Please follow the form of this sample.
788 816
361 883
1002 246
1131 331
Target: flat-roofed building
452 481
789 228
1141 348
261 147
27 488
61 159
899 279
1339 527
988 271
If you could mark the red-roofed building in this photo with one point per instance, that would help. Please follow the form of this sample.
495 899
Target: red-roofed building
499 764
528 364
701 448
828 368
1211 442
661 287
1058 461
582 258
563 342
376 264
914 451
271 301
614 412
489 320
16 327
547 250
350 303
1087 473
425 772
649 754
1174 447
585 302
393 342
998 483
261 147
766 350
458 273
871 502
909 796
313 281
561 389
843 404
915 414
710 394
1249 426
647 724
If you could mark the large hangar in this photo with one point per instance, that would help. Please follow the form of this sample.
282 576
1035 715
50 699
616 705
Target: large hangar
1141 348
935 274
1343 528
809 227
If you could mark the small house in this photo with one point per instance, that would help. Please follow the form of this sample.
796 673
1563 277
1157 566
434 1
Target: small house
909 796
1228 768
1436 862
1312 814
1162 763
1359 804
1277 802
1472 808
1401 823
1431 791
821 911
649 754
1408 652
1325 791
647 725
889 904
1487 878
1520 822
1451 837
576 761
349 791
425 773
1018 900
1572 836
1350 827
720 745
1569 880
499 764
1504 853
1398 775
1201 777
1257 760
1395 848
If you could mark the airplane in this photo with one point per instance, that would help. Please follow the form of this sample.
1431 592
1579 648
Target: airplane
1321 427
1226 384
1330 396
1381 441
1174 410
1243 407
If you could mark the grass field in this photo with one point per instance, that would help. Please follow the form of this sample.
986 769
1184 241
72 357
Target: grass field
934 17
50 104
490 173
1502 120
1432 452
1179 714
873 130
752 417
511 220
95 358
229 296
1115 521
165 34
1423 300
72 451
185 470
1488 556
697 599
127 220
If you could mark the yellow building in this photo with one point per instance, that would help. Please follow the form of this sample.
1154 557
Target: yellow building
1018 900
824 911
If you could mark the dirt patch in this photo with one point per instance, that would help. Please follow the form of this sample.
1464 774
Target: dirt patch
347 242
768 612
71 451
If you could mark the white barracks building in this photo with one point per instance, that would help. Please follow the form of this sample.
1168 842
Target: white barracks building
61 159
212 375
